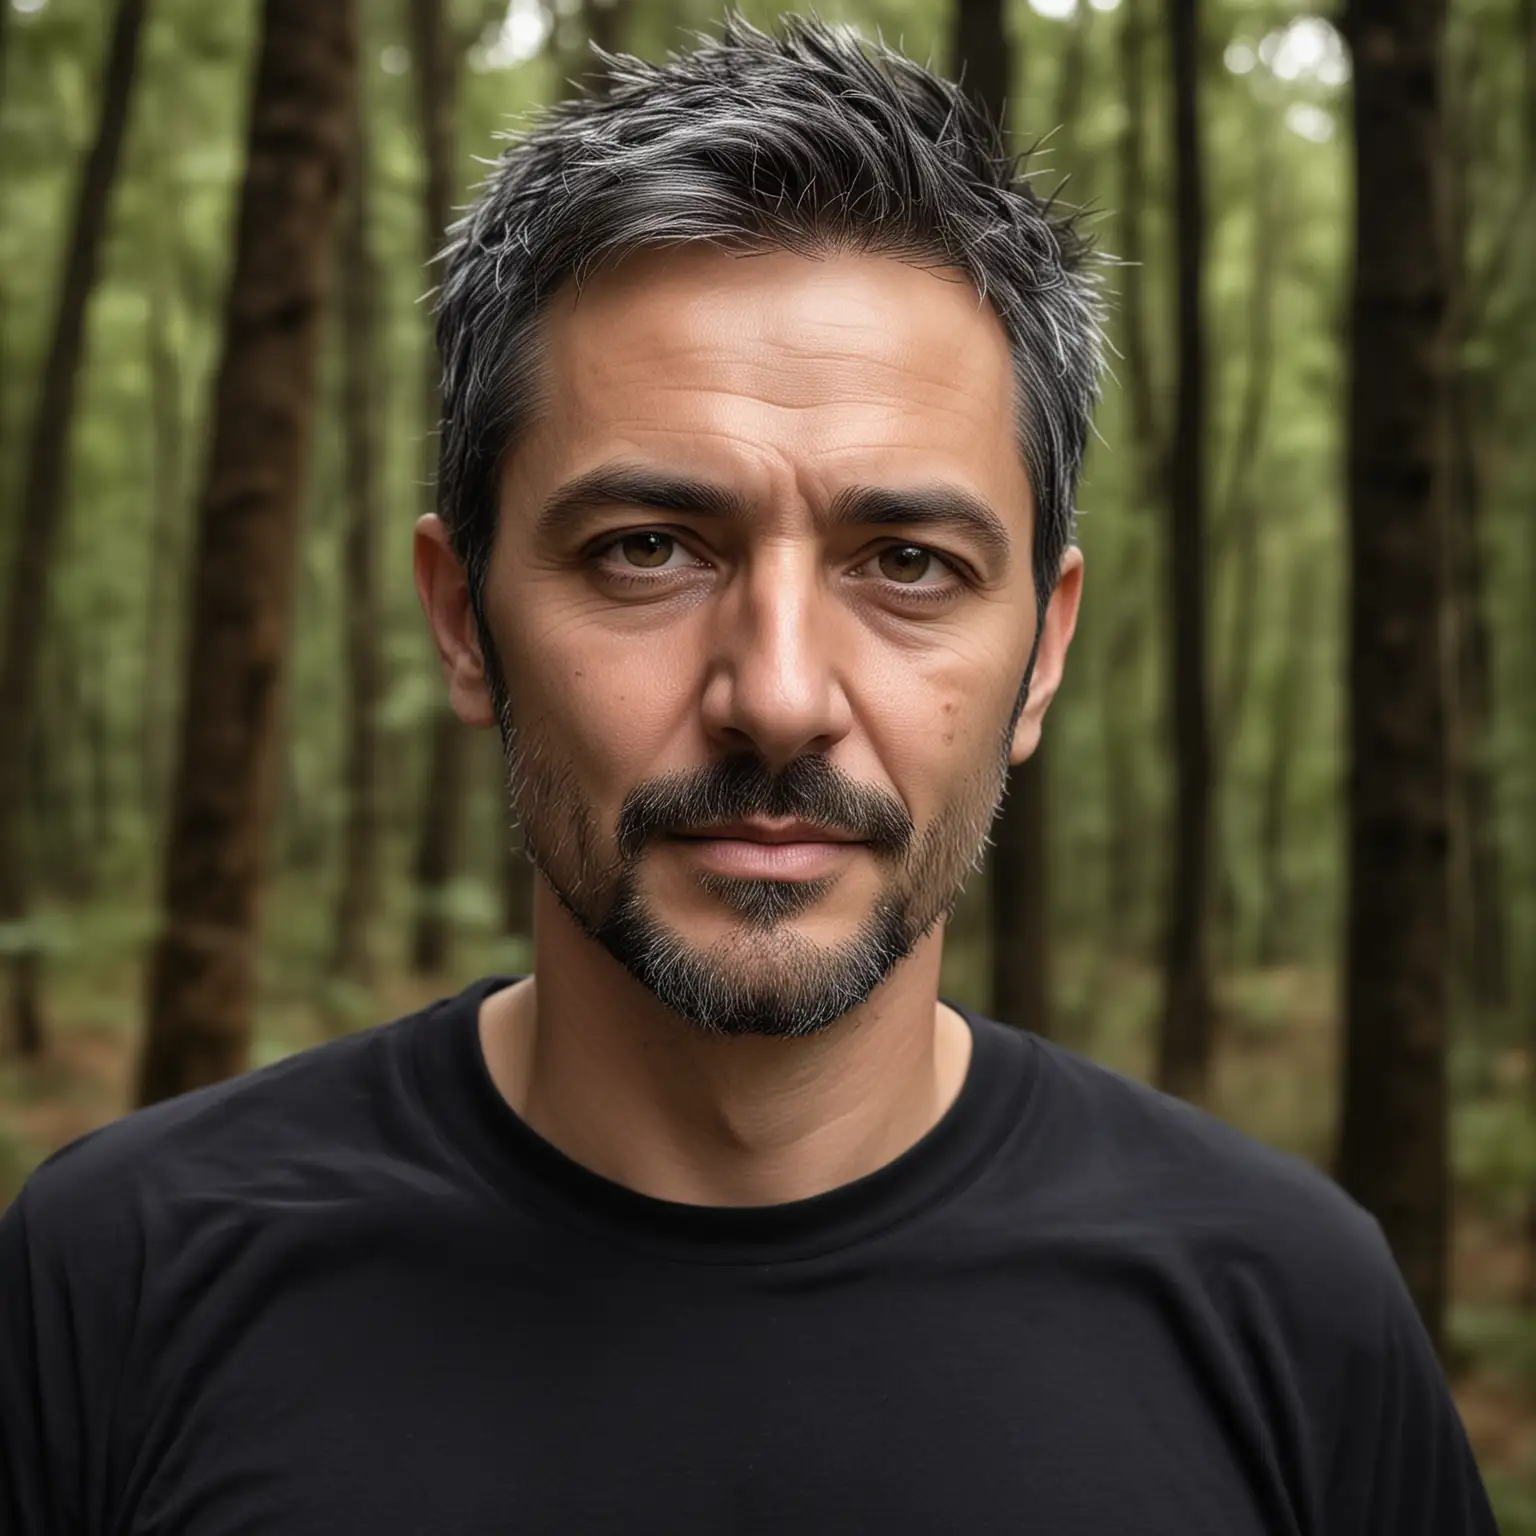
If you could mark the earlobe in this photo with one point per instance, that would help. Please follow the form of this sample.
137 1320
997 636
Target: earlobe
1026 736
443 588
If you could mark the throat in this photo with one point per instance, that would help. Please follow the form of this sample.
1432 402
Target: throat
678 1116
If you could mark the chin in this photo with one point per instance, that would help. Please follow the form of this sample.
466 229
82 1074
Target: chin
765 977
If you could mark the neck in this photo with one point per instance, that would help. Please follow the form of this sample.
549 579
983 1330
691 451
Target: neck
594 1064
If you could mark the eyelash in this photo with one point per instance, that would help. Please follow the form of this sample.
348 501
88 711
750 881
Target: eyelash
910 595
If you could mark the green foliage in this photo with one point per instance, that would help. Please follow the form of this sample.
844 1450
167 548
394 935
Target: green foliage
1493 1150
1501 1339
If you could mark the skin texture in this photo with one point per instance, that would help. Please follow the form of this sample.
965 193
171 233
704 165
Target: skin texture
645 646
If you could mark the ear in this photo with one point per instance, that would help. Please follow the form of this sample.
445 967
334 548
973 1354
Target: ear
443 587
1051 657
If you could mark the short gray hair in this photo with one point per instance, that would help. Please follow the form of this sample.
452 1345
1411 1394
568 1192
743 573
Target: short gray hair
813 141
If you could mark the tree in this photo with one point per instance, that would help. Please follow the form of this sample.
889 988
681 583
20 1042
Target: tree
1125 638
983 54
168 524
1185 1036
439 829
606 24
1392 1151
43 497
5 35
357 899
1283 717
1239 537
983 58
202 971
1479 925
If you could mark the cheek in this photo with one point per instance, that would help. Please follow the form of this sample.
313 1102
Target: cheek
597 706
941 718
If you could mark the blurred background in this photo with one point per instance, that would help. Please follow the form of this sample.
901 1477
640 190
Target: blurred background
1278 854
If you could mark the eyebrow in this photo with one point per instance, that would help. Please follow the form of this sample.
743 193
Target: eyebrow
923 506
628 485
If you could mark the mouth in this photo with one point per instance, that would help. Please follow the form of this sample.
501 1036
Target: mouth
767 850
774 833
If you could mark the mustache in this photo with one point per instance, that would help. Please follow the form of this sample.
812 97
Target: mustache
734 788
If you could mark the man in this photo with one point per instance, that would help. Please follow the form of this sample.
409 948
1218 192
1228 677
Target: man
766 387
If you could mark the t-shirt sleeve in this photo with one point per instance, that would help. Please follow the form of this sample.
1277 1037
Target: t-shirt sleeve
39 1385
1403 1466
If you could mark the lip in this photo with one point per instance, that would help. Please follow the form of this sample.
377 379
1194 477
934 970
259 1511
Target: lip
768 850
769 833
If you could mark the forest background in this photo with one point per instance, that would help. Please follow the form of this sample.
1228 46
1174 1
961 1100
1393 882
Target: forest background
1279 852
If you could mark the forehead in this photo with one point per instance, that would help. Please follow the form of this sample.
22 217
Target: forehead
824 367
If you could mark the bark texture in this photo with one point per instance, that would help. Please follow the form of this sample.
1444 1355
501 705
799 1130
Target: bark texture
1123 679
168 526
1186 1035
43 494
202 973
1392 1154
1478 918
1284 716
982 55
357 899
439 827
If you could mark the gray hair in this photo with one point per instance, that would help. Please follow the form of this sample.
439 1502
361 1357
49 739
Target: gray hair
813 141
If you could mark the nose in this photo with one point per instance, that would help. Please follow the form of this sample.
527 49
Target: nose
774 684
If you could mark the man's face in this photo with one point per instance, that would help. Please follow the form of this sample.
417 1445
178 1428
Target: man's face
761 594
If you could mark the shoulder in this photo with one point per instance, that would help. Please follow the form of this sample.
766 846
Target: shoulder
238 1140
1282 1284
1253 1227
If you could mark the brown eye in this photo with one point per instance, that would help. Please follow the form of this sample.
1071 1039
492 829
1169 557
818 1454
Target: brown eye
647 550
905 563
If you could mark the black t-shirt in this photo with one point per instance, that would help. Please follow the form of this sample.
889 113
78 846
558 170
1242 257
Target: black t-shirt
354 1293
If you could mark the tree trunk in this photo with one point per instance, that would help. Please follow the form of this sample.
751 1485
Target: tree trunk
1284 723
202 972
1528 94
100 761
1478 925
167 528
982 55
1238 543
1185 1039
1145 429
1240 511
58 791
43 497
1121 693
1528 170
1479 912
1392 1153
362 409
606 23
440 825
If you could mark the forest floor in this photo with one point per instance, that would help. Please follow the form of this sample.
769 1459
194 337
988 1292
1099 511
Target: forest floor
1275 1079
